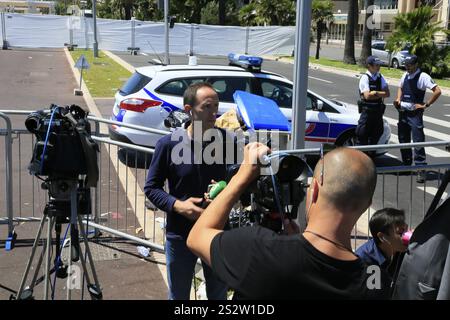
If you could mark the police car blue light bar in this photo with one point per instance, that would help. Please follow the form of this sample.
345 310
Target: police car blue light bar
245 61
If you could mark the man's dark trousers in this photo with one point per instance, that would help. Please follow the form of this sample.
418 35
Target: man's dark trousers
411 122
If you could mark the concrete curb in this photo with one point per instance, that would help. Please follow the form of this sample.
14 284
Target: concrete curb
120 61
86 94
352 74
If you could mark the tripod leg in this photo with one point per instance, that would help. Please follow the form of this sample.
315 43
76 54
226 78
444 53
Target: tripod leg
98 292
50 224
30 261
38 267
69 287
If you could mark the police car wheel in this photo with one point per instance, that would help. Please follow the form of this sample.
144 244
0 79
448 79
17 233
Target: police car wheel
346 140
395 64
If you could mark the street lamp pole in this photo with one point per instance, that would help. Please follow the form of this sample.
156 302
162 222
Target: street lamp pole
94 14
166 30
299 101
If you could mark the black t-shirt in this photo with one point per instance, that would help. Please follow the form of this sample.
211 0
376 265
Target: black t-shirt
260 264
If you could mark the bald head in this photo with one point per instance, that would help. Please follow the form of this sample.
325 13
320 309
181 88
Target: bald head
349 179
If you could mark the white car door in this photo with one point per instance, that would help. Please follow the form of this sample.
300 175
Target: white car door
317 127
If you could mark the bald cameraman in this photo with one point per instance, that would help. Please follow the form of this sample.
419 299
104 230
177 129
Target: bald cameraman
318 264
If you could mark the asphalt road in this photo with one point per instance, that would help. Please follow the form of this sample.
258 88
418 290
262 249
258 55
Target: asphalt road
400 191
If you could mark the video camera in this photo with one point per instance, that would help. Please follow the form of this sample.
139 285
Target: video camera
66 155
63 151
272 198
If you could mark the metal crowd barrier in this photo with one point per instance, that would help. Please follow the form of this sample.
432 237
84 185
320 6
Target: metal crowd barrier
120 207
115 200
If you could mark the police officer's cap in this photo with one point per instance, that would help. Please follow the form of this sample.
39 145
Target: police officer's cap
411 59
372 60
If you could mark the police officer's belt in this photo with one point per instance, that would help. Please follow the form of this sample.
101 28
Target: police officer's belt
411 113
370 107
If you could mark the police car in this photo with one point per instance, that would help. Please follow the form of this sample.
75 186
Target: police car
152 92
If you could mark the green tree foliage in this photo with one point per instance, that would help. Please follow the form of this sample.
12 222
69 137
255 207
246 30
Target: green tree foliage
147 10
248 15
210 13
268 12
322 12
125 9
417 30
187 11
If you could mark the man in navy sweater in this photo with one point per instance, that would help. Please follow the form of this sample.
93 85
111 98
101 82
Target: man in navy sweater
181 159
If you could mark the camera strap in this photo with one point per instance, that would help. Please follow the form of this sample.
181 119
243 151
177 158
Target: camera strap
90 149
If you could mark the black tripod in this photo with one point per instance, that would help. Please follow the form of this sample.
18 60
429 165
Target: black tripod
55 214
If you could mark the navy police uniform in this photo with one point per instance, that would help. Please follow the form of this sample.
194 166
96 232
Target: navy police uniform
410 119
370 125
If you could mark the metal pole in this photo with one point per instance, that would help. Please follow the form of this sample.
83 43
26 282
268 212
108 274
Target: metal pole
247 38
191 49
166 30
303 25
118 233
81 77
71 37
301 73
86 33
5 43
133 26
99 183
9 177
94 14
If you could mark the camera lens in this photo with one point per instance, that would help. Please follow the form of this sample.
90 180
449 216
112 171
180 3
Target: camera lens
290 168
32 123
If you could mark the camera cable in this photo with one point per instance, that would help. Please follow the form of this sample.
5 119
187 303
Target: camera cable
46 138
275 191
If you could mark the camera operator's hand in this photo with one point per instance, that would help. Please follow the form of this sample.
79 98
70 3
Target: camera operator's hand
253 155
189 208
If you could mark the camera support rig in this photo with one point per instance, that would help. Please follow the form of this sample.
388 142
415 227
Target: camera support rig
66 154
53 218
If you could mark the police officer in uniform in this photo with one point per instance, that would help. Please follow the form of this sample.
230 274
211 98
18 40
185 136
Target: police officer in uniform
373 88
411 104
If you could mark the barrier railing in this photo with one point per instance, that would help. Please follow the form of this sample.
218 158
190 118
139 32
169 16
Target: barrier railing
120 207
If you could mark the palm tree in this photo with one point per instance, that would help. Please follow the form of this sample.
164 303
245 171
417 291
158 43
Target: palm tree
367 35
248 16
352 17
322 12
260 12
222 12
417 30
